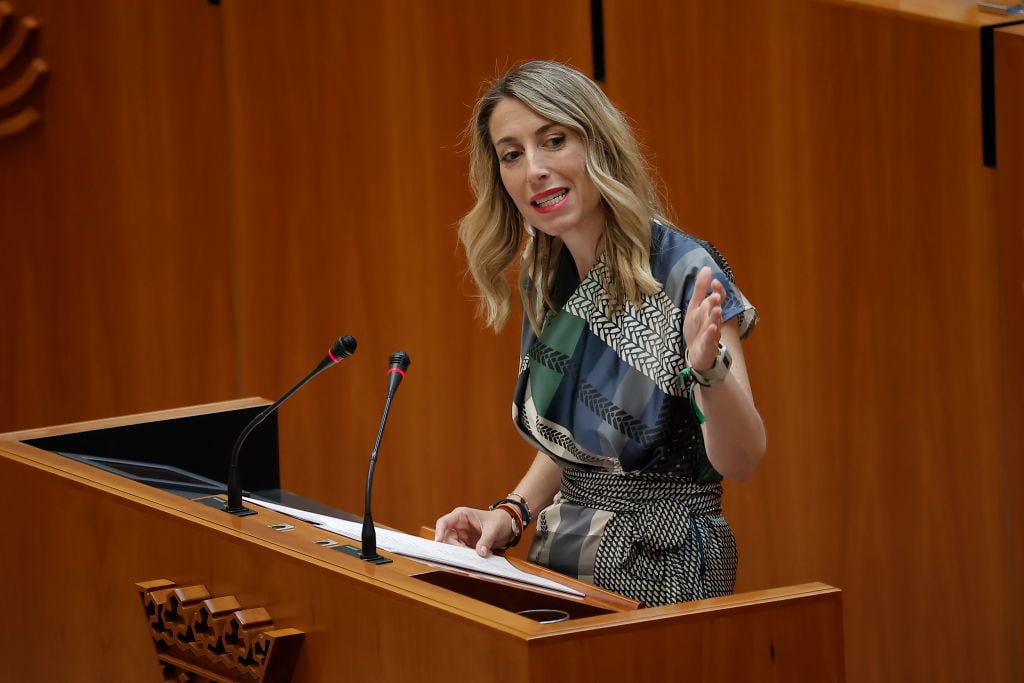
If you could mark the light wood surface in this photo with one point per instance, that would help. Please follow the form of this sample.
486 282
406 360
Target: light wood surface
964 12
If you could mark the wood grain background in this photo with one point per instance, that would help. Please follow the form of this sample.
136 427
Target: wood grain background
215 193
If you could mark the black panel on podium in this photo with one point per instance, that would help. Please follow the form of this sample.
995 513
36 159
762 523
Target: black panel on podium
200 444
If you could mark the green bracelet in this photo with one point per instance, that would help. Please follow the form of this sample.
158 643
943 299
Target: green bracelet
687 380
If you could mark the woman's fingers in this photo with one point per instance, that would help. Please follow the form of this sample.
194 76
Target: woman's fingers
700 287
458 527
703 325
481 530
452 536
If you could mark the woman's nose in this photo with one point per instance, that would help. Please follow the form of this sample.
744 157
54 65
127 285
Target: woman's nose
536 167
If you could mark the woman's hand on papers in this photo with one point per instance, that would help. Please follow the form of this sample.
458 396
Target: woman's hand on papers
473 528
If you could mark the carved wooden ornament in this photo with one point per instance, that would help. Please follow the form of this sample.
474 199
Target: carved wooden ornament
16 87
202 639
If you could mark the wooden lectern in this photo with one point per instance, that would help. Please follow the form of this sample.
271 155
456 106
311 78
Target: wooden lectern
95 557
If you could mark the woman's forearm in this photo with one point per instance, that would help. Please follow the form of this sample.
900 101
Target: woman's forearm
733 431
540 483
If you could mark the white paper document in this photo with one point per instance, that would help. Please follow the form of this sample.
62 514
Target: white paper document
423 548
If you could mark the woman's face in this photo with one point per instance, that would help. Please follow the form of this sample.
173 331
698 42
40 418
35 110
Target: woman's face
543 168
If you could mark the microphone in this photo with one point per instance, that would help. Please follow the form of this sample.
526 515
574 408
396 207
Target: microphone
343 347
396 373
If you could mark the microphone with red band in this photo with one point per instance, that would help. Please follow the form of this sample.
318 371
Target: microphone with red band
342 348
396 373
339 350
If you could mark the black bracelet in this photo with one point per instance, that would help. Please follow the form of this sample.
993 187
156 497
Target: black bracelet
524 511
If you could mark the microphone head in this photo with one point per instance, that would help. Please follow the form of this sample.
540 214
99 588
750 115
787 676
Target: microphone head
343 347
399 364
400 360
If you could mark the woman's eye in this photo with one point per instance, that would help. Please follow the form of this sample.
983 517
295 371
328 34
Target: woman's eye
510 156
556 141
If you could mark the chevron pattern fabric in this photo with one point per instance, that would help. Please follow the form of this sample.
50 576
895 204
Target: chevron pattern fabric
605 379
639 511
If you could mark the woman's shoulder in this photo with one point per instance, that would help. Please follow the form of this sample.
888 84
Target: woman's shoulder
666 237
675 258
670 245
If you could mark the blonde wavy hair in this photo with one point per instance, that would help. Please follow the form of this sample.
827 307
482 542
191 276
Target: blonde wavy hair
492 232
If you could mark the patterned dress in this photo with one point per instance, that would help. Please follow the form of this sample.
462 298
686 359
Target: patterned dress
639 507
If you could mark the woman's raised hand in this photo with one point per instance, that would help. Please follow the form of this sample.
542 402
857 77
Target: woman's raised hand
702 326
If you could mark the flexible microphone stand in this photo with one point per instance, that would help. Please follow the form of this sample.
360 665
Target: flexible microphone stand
343 347
399 364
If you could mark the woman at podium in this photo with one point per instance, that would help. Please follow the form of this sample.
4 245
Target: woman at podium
632 384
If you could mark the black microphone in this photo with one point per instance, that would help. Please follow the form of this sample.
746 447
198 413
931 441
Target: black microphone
343 347
396 373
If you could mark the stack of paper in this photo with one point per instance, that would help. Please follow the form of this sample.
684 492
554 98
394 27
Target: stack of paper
423 548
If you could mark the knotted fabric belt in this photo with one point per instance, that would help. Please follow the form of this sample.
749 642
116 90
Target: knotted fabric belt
653 537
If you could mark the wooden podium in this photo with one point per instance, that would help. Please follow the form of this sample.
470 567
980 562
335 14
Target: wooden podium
86 539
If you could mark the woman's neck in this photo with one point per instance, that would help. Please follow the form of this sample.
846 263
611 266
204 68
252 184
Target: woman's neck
585 247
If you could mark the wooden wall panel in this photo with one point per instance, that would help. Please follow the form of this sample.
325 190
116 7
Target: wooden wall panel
215 193
834 154
346 121
1009 63
115 221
